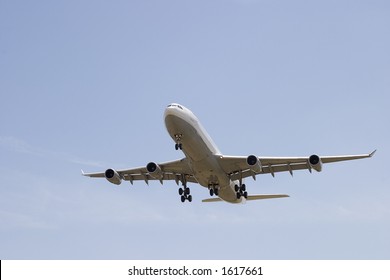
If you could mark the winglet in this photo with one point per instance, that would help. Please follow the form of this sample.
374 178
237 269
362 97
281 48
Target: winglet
372 153
82 172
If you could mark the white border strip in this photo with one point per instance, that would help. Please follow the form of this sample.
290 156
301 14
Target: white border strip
174 269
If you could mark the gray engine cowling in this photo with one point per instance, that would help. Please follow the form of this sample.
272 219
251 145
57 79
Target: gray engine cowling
315 162
155 170
254 163
113 177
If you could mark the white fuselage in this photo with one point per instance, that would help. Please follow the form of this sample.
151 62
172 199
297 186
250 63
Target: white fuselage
202 153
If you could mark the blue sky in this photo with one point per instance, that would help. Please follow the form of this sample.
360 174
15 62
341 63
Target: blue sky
83 85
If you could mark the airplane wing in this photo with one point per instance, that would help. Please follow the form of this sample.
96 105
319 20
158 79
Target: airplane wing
177 170
238 167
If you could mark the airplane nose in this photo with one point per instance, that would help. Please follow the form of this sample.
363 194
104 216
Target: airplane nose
175 109
169 110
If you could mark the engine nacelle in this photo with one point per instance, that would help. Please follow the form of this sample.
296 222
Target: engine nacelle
315 162
254 163
155 170
113 177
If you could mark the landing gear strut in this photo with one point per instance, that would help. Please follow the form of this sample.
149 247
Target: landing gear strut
241 191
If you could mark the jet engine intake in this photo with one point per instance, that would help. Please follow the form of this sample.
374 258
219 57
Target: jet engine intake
113 177
254 163
315 163
155 170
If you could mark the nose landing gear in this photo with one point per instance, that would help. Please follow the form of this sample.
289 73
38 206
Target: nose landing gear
178 145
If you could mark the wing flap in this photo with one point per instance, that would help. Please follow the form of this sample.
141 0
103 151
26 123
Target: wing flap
269 169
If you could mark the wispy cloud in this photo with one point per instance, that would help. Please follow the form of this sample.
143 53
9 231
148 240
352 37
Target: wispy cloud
20 146
85 161
19 220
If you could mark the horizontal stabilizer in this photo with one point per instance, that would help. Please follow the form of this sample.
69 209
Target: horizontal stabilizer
212 200
251 197
266 196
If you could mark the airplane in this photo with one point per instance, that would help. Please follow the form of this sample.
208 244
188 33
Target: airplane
205 165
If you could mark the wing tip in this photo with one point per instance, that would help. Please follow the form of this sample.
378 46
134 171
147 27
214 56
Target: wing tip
372 153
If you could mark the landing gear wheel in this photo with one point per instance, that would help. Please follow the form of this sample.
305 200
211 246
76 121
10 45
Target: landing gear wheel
181 191
178 146
186 191
241 191
183 198
216 191
211 192
189 198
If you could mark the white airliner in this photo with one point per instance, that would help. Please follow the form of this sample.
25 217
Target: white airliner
204 164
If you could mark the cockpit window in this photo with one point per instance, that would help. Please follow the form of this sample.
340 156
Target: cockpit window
175 105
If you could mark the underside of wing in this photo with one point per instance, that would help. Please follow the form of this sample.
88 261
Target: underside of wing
239 167
177 170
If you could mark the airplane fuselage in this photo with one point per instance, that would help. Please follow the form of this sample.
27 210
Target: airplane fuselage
202 153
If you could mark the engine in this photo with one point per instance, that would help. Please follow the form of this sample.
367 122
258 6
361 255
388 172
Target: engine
155 171
113 177
254 163
315 162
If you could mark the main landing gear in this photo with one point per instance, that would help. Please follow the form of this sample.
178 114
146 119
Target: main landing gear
185 194
241 191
